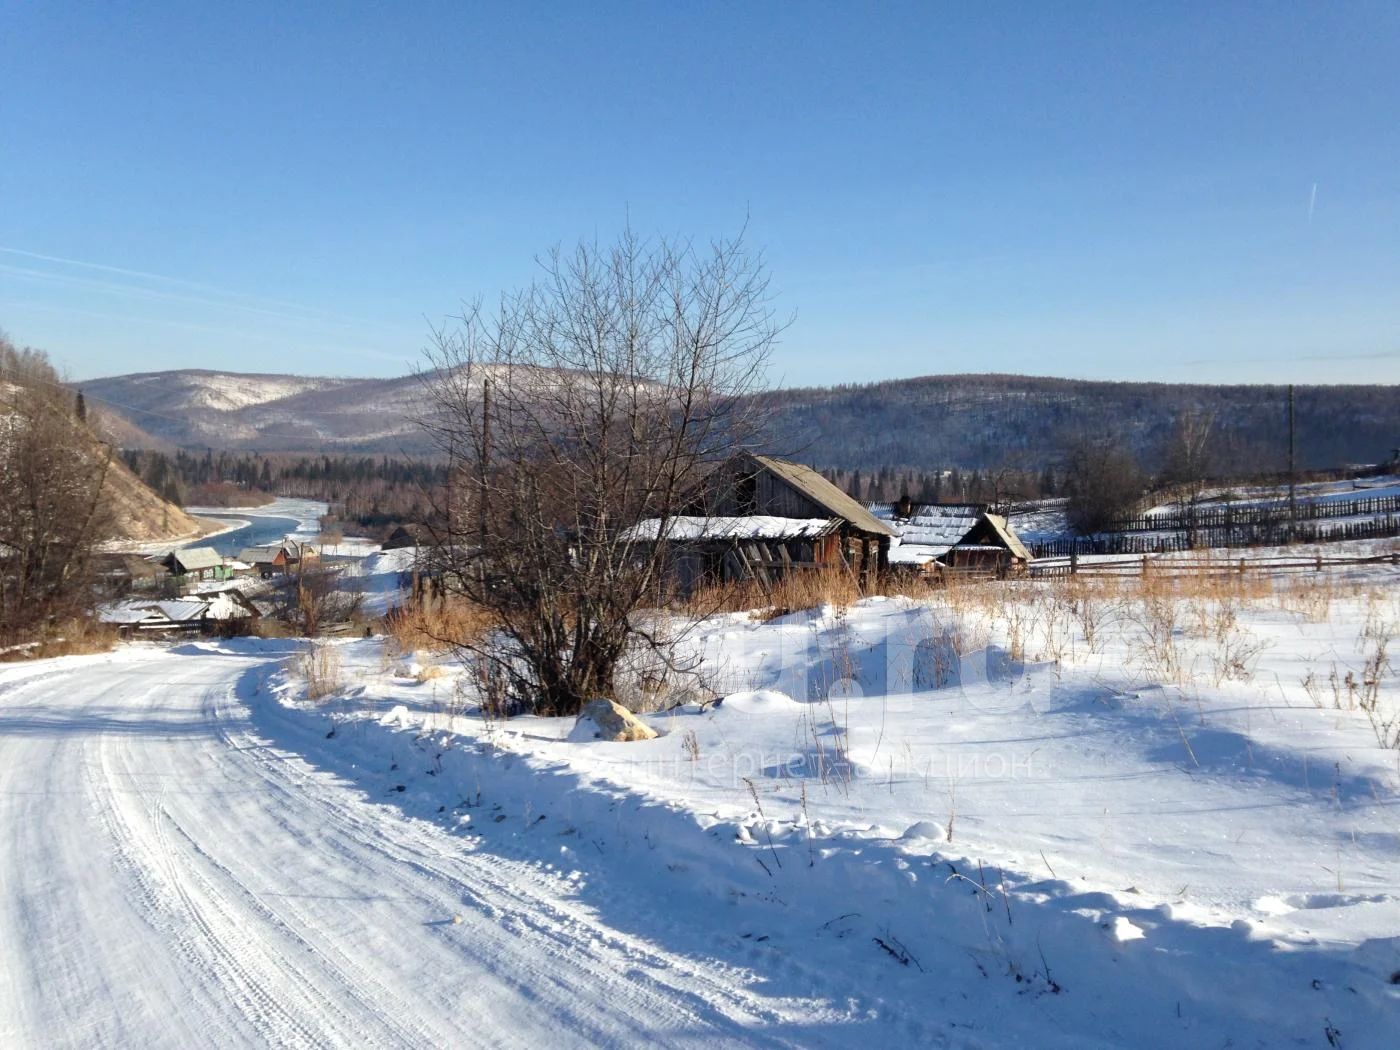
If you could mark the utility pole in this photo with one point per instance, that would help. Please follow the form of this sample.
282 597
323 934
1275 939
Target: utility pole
1292 469
485 459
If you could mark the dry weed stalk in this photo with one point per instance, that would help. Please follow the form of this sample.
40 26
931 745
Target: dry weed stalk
320 666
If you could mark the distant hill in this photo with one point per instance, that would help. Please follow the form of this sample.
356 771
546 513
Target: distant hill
990 421
964 421
194 408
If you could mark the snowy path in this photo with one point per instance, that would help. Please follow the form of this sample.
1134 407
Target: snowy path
169 879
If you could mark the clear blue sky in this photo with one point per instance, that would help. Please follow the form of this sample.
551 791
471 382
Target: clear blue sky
1119 190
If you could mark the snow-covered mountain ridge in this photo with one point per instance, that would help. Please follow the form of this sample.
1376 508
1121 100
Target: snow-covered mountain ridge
925 423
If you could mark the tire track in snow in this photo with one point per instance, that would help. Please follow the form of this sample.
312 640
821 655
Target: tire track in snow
166 903
196 824
202 927
518 896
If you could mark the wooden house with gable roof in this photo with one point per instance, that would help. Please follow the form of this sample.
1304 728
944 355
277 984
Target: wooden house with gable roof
763 517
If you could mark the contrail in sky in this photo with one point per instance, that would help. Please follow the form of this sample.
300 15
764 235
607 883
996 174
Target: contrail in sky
249 303
1312 202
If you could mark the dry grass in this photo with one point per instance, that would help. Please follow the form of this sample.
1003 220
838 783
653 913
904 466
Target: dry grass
808 589
77 637
798 590
437 626
320 666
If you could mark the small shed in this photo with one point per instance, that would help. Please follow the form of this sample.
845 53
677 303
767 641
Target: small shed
990 546
963 537
729 549
229 606
408 535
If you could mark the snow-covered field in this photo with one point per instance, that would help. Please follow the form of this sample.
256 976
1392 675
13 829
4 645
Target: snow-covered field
1089 813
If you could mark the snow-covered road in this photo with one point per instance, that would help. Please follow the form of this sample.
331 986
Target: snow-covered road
169 878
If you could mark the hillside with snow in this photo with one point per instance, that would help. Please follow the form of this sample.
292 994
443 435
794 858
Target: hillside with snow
196 408
927 423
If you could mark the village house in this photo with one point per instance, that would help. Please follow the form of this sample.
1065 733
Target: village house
767 517
279 559
196 563
122 572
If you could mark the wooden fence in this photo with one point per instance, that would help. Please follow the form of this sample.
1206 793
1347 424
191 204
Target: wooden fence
1173 568
1272 513
1272 533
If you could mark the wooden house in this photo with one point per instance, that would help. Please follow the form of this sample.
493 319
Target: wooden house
225 611
750 484
279 559
762 518
121 573
196 563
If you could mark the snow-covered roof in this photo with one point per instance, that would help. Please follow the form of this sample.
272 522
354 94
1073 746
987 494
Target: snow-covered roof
127 612
931 530
901 554
229 605
145 611
747 527
1004 532
180 610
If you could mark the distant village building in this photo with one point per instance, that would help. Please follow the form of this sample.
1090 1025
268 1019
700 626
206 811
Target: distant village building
225 611
409 535
196 563
279 559
123 572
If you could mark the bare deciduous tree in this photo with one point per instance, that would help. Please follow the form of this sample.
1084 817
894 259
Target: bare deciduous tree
314 599
597 398
54 510
1188 461
1103 482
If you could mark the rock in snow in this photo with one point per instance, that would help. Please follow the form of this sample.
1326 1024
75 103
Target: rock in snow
602 719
